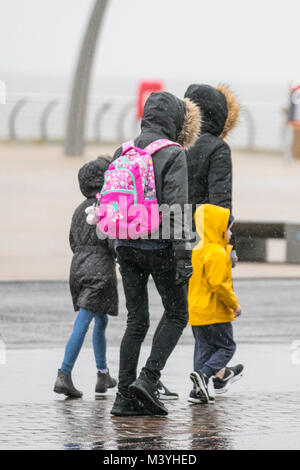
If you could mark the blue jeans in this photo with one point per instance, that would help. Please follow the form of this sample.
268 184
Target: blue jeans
75 342
214 347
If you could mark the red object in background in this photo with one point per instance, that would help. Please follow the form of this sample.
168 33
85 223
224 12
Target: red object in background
146 87
294 112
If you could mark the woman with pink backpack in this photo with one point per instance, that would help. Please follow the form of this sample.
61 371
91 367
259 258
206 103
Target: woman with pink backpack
167 260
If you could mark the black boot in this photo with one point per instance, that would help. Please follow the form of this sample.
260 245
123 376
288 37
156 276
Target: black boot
65 385
104 381
128 406
147 393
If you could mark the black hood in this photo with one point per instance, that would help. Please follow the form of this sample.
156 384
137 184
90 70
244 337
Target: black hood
91 177
213 107
163 115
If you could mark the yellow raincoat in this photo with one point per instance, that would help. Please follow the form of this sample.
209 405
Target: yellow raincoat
211 296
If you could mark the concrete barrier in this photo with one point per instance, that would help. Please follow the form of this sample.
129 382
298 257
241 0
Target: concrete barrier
252 236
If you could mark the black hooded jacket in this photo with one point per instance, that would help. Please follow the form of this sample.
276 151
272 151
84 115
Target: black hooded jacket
165 117
93 282
209 160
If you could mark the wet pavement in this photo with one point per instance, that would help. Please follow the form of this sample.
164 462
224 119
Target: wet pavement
40 314
261 411
234 424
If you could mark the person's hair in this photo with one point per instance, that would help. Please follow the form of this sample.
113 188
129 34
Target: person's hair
106 157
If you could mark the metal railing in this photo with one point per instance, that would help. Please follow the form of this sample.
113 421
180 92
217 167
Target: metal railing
33 118
42 118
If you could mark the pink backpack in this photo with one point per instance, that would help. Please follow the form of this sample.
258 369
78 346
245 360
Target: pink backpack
127 204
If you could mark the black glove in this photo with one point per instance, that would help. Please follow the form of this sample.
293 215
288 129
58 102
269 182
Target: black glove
184 269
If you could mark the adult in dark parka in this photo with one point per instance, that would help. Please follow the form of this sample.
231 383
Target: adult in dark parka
209 160
93 285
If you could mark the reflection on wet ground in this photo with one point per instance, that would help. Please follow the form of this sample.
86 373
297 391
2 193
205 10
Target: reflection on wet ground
232 423
262 411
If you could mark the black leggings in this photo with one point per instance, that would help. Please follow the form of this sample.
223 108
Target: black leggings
136 265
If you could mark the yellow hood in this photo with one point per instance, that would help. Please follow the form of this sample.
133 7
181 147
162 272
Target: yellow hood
211 296
211 224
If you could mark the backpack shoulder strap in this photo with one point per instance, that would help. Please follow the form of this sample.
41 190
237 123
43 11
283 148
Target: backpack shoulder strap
159 144
127 145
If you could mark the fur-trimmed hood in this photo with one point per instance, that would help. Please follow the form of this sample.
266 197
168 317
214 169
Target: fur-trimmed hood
170 117
218 106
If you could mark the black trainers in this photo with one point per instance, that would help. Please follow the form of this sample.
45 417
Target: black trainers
232 374
64 385
104 381
124 406
195 397
200 382
147 393
164 392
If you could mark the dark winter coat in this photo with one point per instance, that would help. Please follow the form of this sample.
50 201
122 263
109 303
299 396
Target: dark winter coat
168 117
209 160
93 282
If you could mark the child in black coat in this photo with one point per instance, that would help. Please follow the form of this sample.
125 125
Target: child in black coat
93 285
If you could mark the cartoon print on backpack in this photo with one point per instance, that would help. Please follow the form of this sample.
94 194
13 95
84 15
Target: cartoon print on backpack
127 204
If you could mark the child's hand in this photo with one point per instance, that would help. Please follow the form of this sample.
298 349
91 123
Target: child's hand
238 311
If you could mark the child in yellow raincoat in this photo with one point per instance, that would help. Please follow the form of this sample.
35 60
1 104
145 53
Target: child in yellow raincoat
212 304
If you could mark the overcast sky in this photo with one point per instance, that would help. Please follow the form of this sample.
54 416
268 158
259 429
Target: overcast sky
233 40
